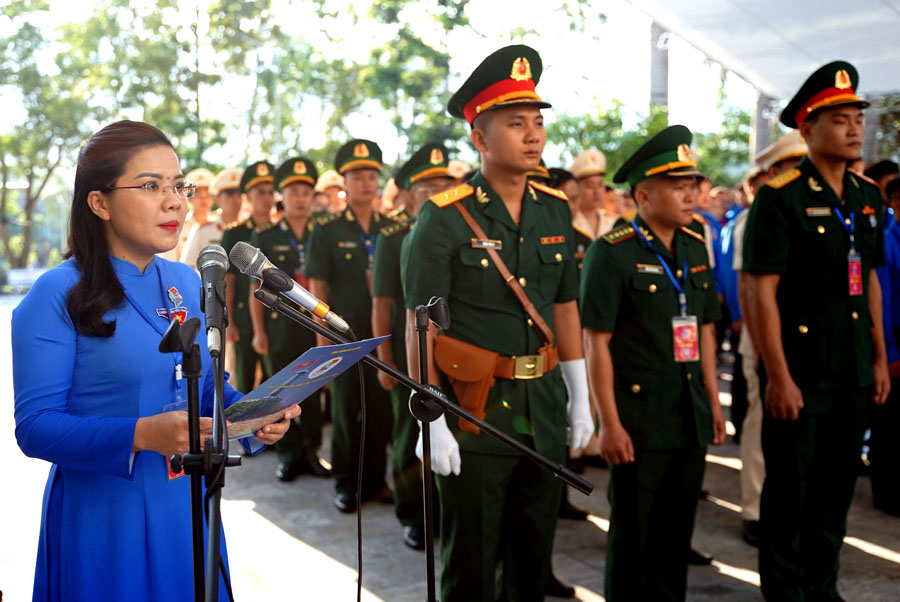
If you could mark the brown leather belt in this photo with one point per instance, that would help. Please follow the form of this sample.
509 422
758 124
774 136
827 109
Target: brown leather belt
526 367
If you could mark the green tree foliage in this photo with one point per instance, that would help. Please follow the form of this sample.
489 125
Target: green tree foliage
724 156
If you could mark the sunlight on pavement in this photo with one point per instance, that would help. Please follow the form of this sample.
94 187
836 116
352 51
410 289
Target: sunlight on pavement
734 463
873 549
734 572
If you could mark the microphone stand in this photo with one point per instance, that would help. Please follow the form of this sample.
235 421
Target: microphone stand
430 405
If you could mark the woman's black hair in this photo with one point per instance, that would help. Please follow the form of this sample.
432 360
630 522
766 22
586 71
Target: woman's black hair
100 163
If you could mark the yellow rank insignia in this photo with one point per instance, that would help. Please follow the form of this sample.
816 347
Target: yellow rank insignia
784 179
299 167
443 199
521 70
262 169
814 185
437 157
616 236
360 150
548 190
481 196
695 235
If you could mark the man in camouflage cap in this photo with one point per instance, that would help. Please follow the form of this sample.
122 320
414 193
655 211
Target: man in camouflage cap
812 243
257 184
498 509
648 305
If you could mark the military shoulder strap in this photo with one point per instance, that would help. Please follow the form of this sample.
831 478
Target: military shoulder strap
696 236
448 197
548 190
782 180
616 236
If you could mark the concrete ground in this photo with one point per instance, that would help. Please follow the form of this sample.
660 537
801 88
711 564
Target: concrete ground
286 540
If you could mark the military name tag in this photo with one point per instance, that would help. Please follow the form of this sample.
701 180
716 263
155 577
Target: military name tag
818 211
646 268
552 240
486 243
347 244
686 336
281 248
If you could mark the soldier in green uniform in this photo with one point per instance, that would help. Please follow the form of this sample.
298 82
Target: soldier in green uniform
279 340
648 306
498 509
339 268
812 241
423 175
256 183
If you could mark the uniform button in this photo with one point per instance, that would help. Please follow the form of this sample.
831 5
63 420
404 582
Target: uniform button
348 255
847 221
820 229
803 329
558 256
635 388
281 258
521 239
678 274
522 281
855 316
274 315
530 322
706 285
579 266
690 376
484 262
652 288
241 304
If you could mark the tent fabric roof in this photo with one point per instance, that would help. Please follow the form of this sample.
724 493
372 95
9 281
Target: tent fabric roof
776 44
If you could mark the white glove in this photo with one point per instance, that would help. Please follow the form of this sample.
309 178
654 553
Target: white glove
581 424
444 448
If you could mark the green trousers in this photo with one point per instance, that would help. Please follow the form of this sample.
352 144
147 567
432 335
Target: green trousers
303 440
653 501
810 477
498 518
346 419
245 360
408 492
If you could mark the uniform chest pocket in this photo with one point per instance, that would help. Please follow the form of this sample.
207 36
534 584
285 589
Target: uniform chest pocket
652 293
866 235
472 271
822 238
551 269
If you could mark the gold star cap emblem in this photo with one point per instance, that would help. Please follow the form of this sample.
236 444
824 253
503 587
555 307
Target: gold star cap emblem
684 153
299 167
360 150
842 79
437 157
521 69
262 169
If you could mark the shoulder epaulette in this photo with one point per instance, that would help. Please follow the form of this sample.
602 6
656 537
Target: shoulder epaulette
699 219
782 180
328 219
399 214
548 190
616 236
265 228
448 197
233 225
395 229
695 235
863 177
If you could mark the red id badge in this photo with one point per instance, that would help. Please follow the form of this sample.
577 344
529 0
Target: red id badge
686 336
301 279
854 273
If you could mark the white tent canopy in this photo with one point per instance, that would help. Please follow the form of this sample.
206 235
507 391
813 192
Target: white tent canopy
777 44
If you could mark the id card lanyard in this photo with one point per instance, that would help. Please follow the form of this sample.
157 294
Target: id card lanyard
300 247
369 243
854 261
685 329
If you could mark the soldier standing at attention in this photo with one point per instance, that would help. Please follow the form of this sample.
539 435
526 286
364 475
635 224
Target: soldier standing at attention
339 268
279 340
812 241
648 305
499 360
256 183
423 175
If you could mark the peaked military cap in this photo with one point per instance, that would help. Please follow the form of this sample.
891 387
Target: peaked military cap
589 163
358 154
666 154
298 169
831 85
201 176
430 161
506 77
257 173
789 146
227 179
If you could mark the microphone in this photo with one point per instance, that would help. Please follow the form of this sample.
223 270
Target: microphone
251 261
213 263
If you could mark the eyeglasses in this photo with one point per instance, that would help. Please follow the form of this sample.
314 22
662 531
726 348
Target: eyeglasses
183 190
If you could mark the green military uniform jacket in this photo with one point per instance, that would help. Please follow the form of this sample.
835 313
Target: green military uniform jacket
625 290
386 281
235 233
278 244
582 242
445 259
794 230
342 255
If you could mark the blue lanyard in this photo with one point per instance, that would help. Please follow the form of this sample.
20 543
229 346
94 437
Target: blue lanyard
851 228
682 298
367 242
301 251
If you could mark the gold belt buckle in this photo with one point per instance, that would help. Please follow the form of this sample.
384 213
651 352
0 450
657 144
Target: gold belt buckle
528 367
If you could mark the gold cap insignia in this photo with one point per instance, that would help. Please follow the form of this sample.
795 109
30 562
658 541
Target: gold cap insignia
360 150
591 160
521 69
842 80
436 156
262 169
684 153
299 167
